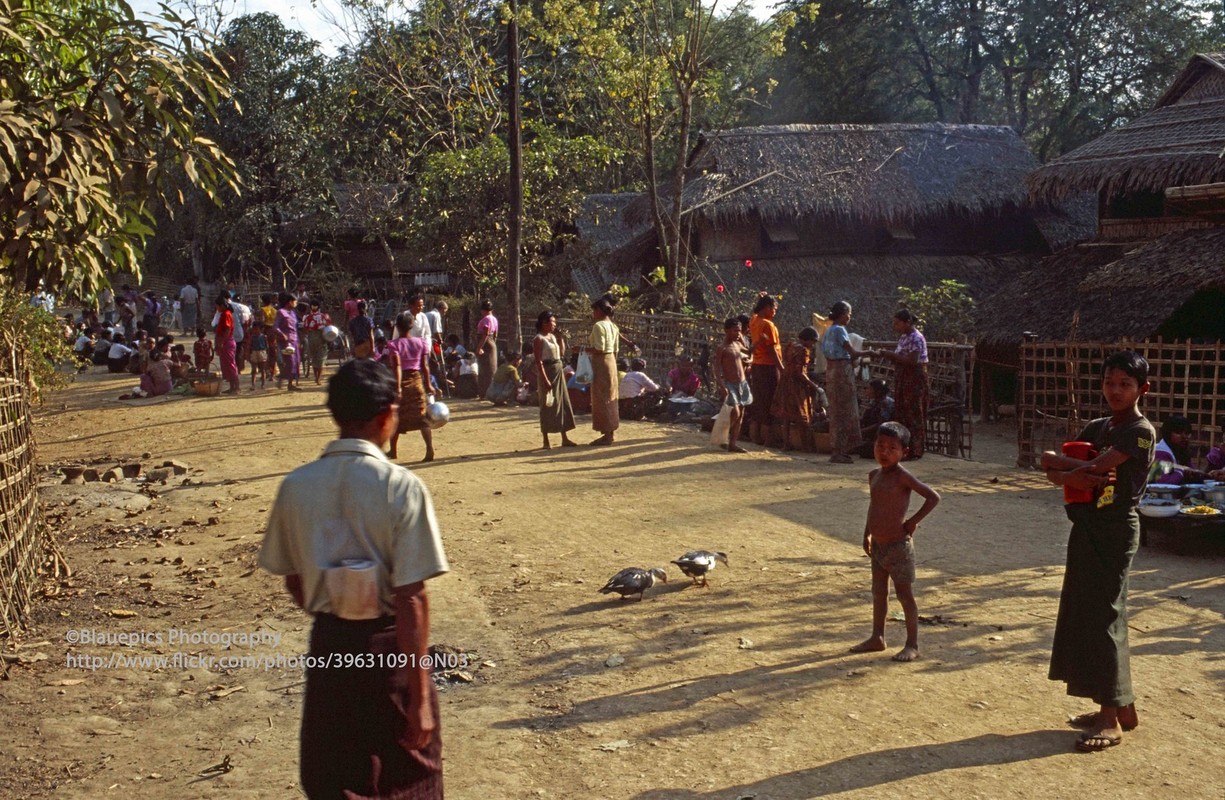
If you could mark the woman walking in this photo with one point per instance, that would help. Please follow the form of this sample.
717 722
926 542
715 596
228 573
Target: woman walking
556 415
287 335
910 386
408 358
316 346
605 339
227 348
486 348
840 385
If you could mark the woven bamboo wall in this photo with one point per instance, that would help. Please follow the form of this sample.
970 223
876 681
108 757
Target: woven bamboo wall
1060 390
660 339
20 530
950 423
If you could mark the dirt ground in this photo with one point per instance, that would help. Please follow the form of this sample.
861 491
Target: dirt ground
742 690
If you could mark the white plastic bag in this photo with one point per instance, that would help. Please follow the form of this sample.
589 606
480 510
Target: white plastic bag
584 373
723 424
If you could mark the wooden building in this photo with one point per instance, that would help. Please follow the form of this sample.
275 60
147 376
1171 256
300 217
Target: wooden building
821 213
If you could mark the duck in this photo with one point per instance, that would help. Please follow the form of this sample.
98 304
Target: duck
696 563
634 580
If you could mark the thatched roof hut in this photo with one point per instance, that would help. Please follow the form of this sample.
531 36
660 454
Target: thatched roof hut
1173 287
1178 143
895 173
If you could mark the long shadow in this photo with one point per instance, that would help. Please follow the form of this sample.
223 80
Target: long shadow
885 767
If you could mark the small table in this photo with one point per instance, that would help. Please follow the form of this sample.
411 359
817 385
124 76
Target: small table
1182 526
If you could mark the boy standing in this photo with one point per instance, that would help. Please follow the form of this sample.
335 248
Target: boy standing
887 537
730 361
1090 652
358 735
259 355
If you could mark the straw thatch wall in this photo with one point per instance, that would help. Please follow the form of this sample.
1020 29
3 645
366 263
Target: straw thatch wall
868 282
1109 293
20 525
1179 143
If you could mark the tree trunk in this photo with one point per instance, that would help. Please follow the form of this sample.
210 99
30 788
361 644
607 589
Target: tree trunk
515 144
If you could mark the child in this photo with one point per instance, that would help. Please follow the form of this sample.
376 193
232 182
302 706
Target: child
887 537
203 351
465 383
506 381
636 390
730 371
879 411
793 398
1090 652
179 362
259 355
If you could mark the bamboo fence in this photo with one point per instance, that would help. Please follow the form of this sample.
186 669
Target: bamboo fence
950 370
20 528
1060 390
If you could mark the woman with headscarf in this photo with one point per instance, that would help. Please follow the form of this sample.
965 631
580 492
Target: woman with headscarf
486 348
286 328
556 414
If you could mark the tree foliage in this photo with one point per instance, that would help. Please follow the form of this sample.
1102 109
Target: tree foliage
97 110
461 204
945 311
1059 71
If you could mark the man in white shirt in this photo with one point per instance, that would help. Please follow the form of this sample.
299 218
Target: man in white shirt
421 328
355 504
436 317
189 307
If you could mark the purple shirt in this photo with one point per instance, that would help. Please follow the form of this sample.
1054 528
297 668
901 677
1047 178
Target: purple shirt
412 351
912 342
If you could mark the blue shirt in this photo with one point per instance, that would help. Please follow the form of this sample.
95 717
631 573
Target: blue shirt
832 345
259 342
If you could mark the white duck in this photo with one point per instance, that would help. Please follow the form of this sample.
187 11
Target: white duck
634 580
696 563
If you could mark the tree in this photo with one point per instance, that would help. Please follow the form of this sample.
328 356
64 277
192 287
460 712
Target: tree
97 112
461 205
667 66
278 128
1060 72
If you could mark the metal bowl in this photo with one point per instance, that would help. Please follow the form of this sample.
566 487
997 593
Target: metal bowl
437 415
1159 508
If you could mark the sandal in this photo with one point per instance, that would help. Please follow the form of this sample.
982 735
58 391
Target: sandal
1096 742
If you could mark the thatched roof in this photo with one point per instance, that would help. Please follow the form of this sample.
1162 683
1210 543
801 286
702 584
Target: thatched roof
1180 142
601 221
869 283
895 173
1111 293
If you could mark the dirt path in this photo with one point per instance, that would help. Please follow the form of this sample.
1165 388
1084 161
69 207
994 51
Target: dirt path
742 690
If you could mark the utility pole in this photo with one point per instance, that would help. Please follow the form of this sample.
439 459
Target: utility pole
514 143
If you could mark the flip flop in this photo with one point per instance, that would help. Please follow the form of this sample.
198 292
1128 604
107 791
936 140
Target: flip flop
1093 743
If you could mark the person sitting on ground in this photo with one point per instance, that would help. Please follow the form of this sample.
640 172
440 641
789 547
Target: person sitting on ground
140 355
466 378
180 363
102 348
506 381
156 379
636 390
1175 450
119 356
83 348
879 411
682 379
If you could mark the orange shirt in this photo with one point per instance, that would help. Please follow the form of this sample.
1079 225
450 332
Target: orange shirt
764 335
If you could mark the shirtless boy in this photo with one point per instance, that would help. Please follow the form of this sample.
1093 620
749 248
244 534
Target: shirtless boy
730 361
887 537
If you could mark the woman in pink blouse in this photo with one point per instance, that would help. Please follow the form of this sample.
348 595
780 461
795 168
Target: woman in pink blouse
486 348
910 387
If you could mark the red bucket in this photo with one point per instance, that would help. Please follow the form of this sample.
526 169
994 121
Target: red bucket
1085 452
